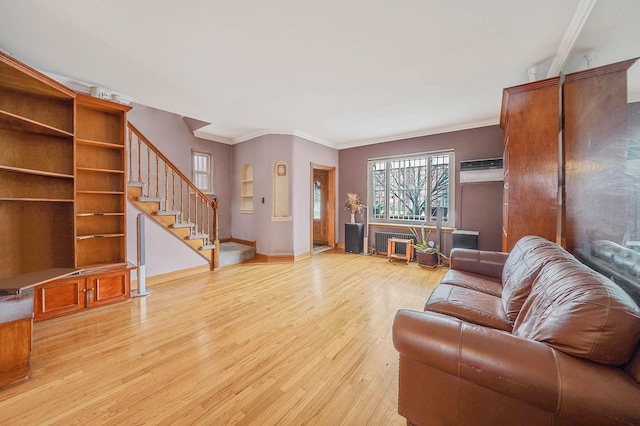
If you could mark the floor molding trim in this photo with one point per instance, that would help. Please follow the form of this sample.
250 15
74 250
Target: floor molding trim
169 276
275 257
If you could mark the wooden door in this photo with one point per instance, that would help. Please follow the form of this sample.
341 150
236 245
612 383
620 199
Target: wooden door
530 117
320 206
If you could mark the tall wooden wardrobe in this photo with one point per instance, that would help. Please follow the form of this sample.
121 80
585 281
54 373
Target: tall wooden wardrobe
564 153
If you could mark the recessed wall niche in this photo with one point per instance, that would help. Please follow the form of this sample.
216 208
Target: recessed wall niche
246 189
280 189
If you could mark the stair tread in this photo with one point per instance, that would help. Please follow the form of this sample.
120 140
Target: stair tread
196 236
233 253
183 225
145 198
198 241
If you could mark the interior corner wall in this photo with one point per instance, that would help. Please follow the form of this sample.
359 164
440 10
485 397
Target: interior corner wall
277 237
305 153
478 206
272 237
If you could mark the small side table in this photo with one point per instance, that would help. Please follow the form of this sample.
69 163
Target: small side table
391 249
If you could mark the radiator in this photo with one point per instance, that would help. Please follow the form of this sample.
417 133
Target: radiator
383 237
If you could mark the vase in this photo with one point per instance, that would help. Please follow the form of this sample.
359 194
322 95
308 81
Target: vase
427 259
353 218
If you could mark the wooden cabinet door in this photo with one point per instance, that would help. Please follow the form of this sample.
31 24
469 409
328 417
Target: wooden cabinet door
108 288
60 297
599 184
530 118
15 350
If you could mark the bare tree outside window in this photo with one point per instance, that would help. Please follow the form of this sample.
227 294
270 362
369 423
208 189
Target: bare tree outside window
411 188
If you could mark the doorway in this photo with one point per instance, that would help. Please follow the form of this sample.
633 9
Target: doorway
322 208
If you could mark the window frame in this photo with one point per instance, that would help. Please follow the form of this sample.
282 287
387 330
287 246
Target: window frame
388 219
209 173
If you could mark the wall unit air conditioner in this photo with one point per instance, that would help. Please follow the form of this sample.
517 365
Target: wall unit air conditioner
488 170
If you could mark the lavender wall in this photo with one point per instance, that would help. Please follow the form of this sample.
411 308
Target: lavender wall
277 238
478 206
169 133
164 251
305 153
272 238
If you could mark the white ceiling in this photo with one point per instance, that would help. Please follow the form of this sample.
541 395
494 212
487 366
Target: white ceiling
339 72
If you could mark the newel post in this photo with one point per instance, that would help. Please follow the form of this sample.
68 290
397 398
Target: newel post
216 241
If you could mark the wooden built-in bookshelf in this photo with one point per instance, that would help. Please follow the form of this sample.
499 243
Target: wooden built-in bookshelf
62 190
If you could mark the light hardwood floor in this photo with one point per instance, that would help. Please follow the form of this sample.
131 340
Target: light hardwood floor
291 343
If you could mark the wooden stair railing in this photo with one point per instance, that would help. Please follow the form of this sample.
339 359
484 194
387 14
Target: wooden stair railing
162 182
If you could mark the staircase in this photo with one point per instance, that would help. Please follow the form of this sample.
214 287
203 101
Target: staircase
166 195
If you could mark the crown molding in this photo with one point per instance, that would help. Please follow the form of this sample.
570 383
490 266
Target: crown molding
265 132
211 137
583 11
426 132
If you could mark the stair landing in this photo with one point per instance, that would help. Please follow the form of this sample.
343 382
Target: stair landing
232 253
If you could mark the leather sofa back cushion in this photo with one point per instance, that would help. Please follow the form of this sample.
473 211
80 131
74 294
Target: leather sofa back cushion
521 268
580 312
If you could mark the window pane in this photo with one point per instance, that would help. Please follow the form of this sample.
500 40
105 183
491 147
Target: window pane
440 185
378 185
317 202
410 188
202 171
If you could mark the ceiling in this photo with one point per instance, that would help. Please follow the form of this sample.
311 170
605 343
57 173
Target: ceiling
342 73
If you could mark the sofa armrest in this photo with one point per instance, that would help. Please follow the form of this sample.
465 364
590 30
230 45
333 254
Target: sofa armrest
487 263
572 388
522 369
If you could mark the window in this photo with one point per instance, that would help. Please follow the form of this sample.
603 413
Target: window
202 171
414 188
280 190
317 200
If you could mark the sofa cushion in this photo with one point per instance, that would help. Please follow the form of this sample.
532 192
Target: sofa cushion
473 281
580 312
633 367
468 305
16 307
523 265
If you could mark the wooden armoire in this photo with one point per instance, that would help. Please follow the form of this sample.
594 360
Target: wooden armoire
564 157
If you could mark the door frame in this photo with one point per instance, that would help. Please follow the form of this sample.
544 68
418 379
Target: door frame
331 200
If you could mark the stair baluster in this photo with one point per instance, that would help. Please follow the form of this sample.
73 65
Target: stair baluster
148 172
130 156
173 190
203 211
181 201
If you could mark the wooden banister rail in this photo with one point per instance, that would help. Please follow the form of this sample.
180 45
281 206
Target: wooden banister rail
199 209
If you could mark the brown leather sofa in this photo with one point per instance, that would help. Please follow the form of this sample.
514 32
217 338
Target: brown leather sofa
530 337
